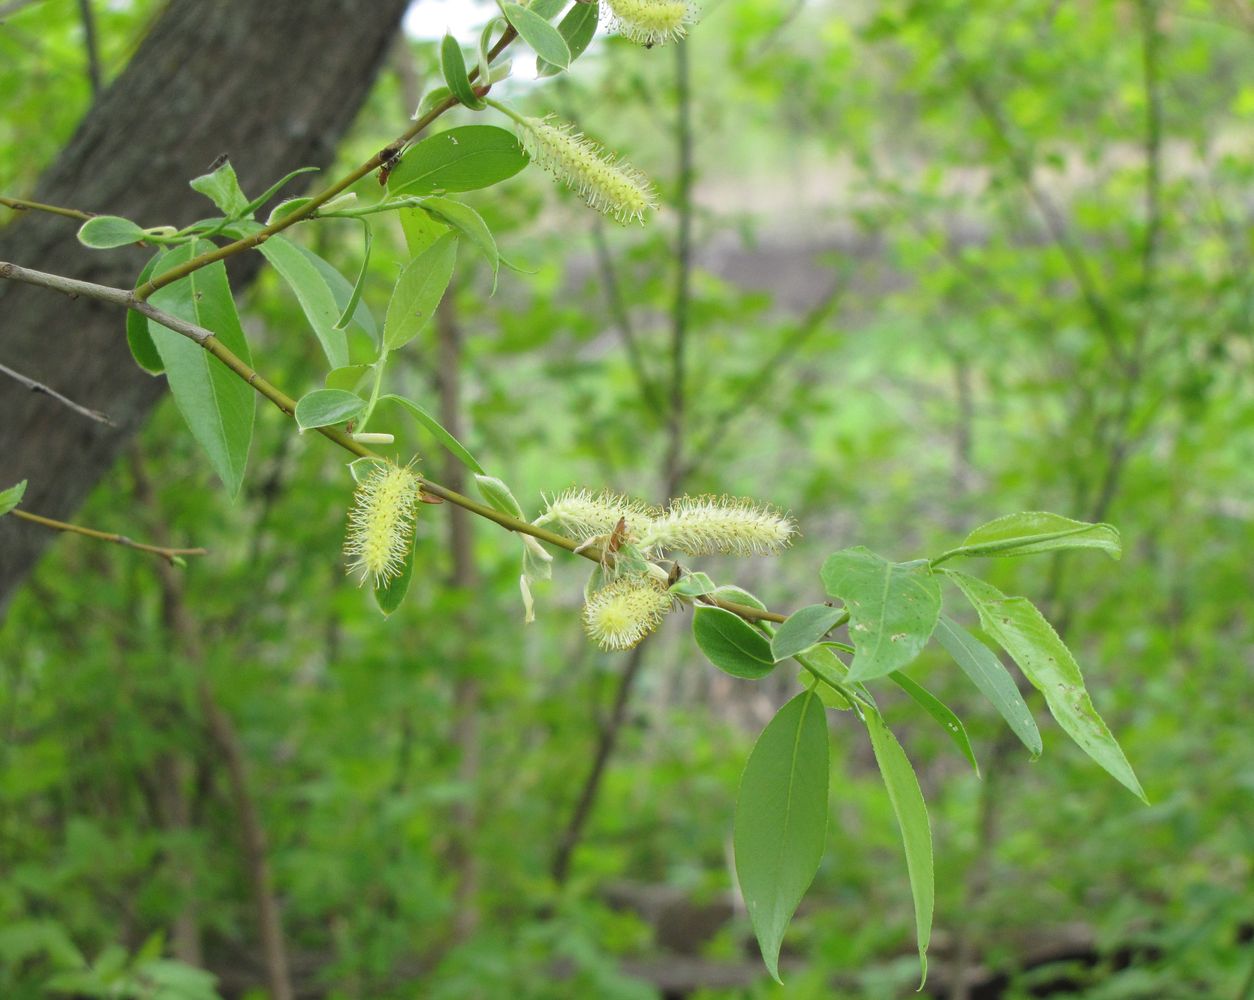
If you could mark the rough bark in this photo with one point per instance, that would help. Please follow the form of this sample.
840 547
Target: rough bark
274 85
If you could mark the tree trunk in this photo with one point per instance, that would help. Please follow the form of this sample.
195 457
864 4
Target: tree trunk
273 85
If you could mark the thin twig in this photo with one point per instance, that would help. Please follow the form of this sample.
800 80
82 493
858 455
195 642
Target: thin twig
323 196
22 205
206 339
39 387
168 554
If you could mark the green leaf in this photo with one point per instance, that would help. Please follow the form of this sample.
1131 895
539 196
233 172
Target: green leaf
312 292
138 339
547 9
732 593
349 310
1036 531
781 819
939 711
286 208
421 229
325 407
988 674
453 65
461 159
418 291
916 832
107 231
1022 631
217 405
498 495
222 188
11 497
348 378
827 667
340 287
470 224
455 447
692 585
436 95
274 189
803 629
577 29
731 643
389 596
545 39
892 607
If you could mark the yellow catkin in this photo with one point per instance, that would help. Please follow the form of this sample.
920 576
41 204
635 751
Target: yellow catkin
583 514
381 523
609 185
622 613
650 22
709 525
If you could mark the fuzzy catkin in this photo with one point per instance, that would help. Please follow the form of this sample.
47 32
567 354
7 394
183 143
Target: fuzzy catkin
709 525
381 523
583 514
609 185
650 22
622 613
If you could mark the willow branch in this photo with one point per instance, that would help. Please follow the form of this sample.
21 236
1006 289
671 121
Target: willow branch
169 555
323 196
23 205
39 387
206 339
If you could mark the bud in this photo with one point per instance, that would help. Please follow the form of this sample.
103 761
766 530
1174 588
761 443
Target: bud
583 514
609 185
622 613
701 526
651 22
381 523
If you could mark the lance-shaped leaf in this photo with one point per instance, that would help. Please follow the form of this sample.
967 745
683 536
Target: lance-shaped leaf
418 291
138 339
781 819
453 65
313 293
577 29
470 224
544 39
343 290
389 596
437 429
1036 531
1022 631
916 832
892 607
939 711
987 673
217 405
731 643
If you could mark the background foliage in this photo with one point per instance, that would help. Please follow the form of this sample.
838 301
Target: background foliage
934 281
